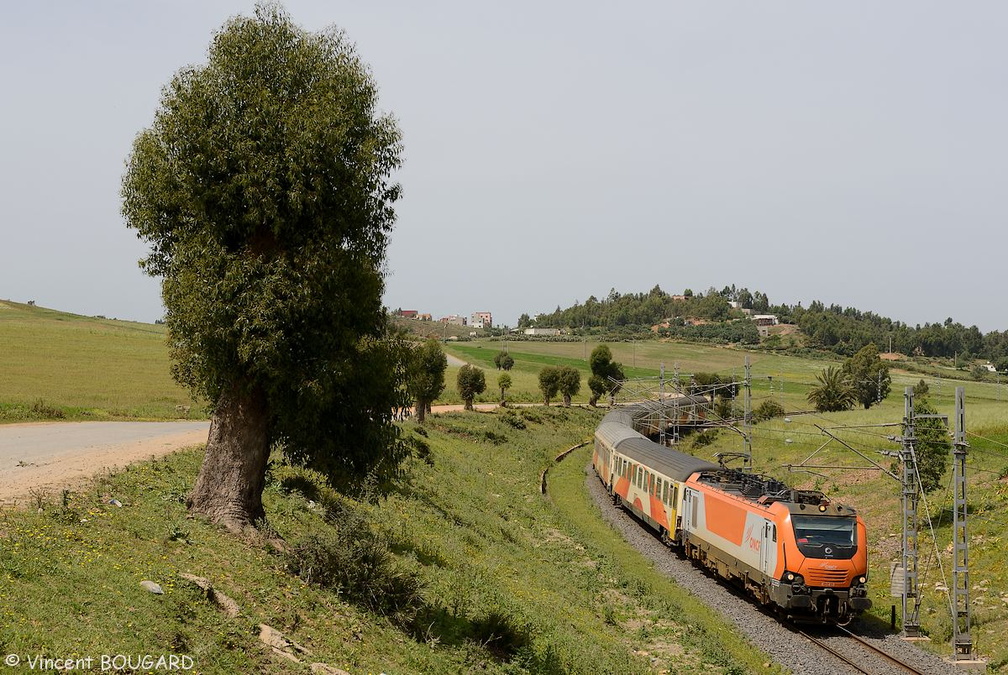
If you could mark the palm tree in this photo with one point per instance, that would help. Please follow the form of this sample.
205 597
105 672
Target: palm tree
834 392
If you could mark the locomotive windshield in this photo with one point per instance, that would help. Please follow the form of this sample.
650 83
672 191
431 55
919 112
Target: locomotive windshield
825 537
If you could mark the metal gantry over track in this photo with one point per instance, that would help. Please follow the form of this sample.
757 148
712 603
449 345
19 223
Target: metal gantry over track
693 410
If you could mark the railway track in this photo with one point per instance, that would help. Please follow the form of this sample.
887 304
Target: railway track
777 638
859 654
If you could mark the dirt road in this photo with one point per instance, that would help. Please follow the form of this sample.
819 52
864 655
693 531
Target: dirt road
50 457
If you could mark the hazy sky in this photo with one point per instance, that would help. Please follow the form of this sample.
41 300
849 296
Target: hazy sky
849 152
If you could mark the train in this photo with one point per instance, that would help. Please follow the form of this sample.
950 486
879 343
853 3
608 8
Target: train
795 551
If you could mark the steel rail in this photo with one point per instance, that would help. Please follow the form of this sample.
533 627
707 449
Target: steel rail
822 645
889 657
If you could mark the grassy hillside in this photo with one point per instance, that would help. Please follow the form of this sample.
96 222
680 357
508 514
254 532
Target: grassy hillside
462 566
453 525
63 366
780 446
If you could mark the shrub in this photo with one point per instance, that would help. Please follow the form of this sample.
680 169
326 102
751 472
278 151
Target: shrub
500 634
358 565
704 438
767 410
511 418
42 410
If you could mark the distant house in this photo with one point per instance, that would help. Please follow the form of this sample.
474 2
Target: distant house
424 317
765 319
481 320
542 331
408 313
453 319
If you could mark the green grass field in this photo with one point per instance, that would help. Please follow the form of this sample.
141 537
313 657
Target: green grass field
449 518
510 581
63 366
795 450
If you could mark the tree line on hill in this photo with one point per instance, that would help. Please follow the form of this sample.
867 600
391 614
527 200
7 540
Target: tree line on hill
842 330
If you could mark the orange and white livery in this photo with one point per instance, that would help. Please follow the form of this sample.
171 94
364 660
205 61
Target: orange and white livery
793 549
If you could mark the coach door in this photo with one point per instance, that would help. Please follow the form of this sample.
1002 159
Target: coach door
690 504
768 548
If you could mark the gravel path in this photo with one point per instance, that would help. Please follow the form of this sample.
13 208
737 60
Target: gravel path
760 629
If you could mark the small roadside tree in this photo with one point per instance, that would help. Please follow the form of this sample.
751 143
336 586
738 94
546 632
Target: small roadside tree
604 370
471 382
503 361
570 383
549 383
263 188
768 410
426 376
504 382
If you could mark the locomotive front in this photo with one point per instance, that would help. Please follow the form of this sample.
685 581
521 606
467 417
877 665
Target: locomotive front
825 561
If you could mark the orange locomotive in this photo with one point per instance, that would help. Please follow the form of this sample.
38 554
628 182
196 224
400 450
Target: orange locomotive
792 549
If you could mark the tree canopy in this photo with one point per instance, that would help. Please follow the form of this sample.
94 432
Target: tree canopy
264 189
569 383
604 370
425 375
471 382
868 376
932 446
549 383
835 328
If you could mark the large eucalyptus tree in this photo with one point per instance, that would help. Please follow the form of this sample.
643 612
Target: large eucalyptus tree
264 189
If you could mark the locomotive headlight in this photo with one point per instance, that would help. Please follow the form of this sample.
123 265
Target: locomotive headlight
822 507
789 576
862 579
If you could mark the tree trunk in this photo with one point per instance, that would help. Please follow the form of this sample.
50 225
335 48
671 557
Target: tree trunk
421 411
230 484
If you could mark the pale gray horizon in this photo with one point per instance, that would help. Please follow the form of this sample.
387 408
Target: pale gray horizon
852 153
